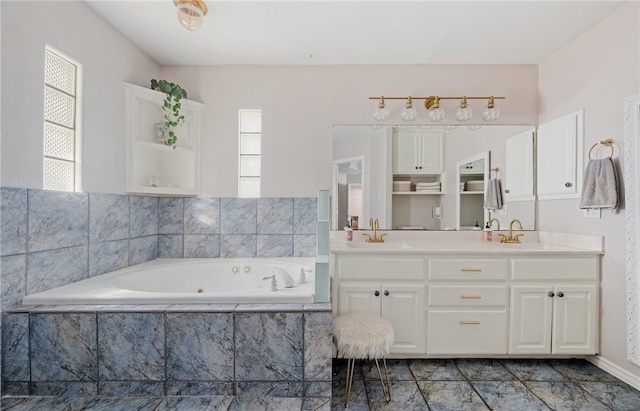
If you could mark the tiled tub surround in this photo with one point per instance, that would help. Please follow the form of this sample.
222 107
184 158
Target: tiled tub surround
53 238
279 350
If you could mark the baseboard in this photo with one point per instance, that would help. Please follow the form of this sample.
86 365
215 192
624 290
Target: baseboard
616 371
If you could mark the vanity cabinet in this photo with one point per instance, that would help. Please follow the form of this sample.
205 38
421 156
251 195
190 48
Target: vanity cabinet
553 319
389 286
467 306
401 304
418 152
152 167
474 303
554 306
559 157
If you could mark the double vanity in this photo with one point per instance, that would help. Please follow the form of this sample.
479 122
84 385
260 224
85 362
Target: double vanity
451 294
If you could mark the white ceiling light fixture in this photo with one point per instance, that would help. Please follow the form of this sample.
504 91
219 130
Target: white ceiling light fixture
191 13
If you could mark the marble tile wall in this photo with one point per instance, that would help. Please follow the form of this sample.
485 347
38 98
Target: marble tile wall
237 227
217 349
53 238
50 238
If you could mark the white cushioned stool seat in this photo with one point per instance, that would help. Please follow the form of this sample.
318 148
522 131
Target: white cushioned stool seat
360 336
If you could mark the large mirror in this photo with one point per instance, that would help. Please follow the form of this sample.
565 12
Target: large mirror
371 147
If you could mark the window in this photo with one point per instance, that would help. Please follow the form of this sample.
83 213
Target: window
250 148
60 145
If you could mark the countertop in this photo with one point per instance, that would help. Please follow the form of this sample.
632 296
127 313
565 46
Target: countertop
538 243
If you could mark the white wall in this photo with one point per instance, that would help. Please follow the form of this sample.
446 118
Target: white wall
595 72
107 58
300 104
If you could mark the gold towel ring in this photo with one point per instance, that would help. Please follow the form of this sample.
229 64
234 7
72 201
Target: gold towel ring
608 143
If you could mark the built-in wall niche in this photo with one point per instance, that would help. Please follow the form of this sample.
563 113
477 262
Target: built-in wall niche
434 211
154 168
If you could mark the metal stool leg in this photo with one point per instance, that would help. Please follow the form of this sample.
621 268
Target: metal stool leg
351 362
385 390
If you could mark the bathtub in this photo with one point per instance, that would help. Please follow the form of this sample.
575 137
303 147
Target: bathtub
191 281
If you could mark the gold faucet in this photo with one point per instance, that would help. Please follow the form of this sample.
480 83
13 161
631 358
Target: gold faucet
496 220
374 225
511 238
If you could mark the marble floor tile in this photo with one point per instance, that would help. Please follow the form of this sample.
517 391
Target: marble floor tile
617 395
398 370
483 370
564 396
435 370
532 370
508 396
123 403
581 370
316 404
45 403
405 396
357 401
265 404
451 396
195 403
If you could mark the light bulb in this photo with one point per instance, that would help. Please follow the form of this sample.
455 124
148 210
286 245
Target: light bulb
491 112
464 111
409 113
190 16
381 113
435 112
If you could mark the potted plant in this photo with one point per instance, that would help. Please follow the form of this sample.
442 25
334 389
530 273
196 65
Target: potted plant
171 107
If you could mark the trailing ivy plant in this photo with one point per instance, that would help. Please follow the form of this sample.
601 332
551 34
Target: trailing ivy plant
171 106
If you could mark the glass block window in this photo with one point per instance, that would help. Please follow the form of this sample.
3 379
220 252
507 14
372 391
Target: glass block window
250 151
60 102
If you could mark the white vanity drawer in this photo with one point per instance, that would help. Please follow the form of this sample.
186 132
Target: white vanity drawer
468 295
461 269
467 332
381 268
555 268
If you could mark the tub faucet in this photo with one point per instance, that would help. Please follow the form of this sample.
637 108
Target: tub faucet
288 280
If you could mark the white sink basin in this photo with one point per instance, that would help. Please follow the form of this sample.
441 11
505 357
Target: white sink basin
380 246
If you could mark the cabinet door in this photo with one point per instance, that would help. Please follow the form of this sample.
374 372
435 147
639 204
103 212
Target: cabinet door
560 152
575 320
359 298
430 156
519 163
404 153
404 307
530 324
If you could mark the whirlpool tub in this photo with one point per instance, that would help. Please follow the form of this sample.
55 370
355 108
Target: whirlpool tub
192 281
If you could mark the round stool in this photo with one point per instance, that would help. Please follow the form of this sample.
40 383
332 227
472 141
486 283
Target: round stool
363 336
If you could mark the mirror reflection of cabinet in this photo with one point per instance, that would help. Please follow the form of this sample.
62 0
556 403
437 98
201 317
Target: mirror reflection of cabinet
418 166
417 152
472 177
519 163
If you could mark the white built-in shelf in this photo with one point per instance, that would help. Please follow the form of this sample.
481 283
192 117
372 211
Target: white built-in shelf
471 192
175 171
419 193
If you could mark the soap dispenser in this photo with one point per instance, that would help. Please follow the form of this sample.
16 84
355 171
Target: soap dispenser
487 235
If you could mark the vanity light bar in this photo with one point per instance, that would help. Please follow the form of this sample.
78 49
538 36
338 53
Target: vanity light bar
432 104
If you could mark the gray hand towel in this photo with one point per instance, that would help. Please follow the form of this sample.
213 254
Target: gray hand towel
493 199
600 187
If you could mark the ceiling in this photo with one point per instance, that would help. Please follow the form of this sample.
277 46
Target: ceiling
355 32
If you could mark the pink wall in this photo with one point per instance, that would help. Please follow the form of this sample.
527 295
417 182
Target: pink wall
107 58
300 104
596 72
